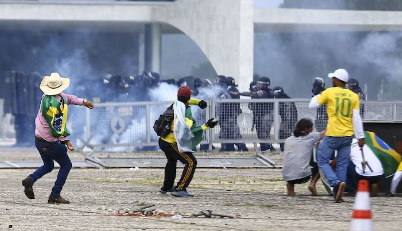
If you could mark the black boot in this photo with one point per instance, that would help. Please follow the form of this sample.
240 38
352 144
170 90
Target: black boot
28 183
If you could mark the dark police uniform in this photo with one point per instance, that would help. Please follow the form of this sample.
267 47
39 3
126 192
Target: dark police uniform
288 113
321 118
262 112
228 113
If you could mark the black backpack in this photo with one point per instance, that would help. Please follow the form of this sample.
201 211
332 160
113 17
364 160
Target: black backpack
162 125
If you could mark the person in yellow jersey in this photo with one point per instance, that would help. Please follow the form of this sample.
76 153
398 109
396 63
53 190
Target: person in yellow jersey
179 142
344 121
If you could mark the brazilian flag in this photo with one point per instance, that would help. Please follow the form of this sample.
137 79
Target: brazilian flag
388 157
55 114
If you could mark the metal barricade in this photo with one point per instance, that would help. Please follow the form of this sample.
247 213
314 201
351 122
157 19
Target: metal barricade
244 121
122 127
127 126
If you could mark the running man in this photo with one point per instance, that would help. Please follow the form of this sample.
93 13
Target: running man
344 121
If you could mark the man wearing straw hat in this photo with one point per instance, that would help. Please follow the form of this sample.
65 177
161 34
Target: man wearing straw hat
51 133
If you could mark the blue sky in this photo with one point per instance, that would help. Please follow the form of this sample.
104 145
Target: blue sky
267 3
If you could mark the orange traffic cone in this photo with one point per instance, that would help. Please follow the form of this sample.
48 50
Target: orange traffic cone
361 218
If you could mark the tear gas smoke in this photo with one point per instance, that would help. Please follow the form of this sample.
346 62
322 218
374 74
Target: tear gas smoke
135 132
292 60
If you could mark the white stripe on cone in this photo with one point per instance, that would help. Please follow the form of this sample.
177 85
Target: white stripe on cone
362 201
361 225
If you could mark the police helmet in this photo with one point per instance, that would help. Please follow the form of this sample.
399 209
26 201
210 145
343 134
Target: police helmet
318 86
252 85
231 81
198 82
107 78
156 76
221 79
207 83
353 83
278 92
264 82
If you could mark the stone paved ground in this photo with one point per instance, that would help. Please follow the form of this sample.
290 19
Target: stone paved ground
256 195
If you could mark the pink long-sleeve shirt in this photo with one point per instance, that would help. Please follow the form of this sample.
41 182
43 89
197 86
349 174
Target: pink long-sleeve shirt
42 127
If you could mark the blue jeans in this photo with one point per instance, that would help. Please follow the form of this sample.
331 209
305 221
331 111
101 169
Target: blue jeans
326 151
49 152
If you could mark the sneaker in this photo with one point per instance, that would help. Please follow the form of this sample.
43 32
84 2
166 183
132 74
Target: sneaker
339 191
181 193
57 200
163 191
27 183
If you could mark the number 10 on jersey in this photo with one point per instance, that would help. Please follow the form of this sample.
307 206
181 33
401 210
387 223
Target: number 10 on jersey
343 105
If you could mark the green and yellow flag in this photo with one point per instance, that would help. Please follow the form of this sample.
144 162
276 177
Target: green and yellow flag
388 157
55 114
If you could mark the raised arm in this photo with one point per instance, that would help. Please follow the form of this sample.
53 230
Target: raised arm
318 100
314 104
72 99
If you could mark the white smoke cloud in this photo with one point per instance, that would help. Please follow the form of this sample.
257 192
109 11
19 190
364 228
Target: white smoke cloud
164 92
292 60
381 50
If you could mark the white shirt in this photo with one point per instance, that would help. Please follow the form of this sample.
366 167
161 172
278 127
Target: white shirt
369 156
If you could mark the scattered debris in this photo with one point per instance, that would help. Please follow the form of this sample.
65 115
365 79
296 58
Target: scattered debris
209 214
150 211
177 217
145 211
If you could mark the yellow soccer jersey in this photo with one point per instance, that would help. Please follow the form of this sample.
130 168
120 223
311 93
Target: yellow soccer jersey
340 105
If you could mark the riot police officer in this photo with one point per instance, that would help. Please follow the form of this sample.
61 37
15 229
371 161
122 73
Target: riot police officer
288 113
353 85
228 113
321 118
253 84
116 88
262 112
198 83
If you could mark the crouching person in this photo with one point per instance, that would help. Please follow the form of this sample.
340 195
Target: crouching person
179 143
298 157
373 171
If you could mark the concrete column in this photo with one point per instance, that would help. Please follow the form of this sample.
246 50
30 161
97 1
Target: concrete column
141 50
147 47
246 45
156 47
223 29
153 43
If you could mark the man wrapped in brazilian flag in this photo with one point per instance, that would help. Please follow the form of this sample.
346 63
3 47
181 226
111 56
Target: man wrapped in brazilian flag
375 161
51 135
178 142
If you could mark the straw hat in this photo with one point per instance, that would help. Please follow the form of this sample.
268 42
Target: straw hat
54 84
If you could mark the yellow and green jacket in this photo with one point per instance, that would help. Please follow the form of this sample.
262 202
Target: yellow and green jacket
198 131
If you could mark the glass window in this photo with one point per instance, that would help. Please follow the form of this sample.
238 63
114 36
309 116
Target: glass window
380 5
